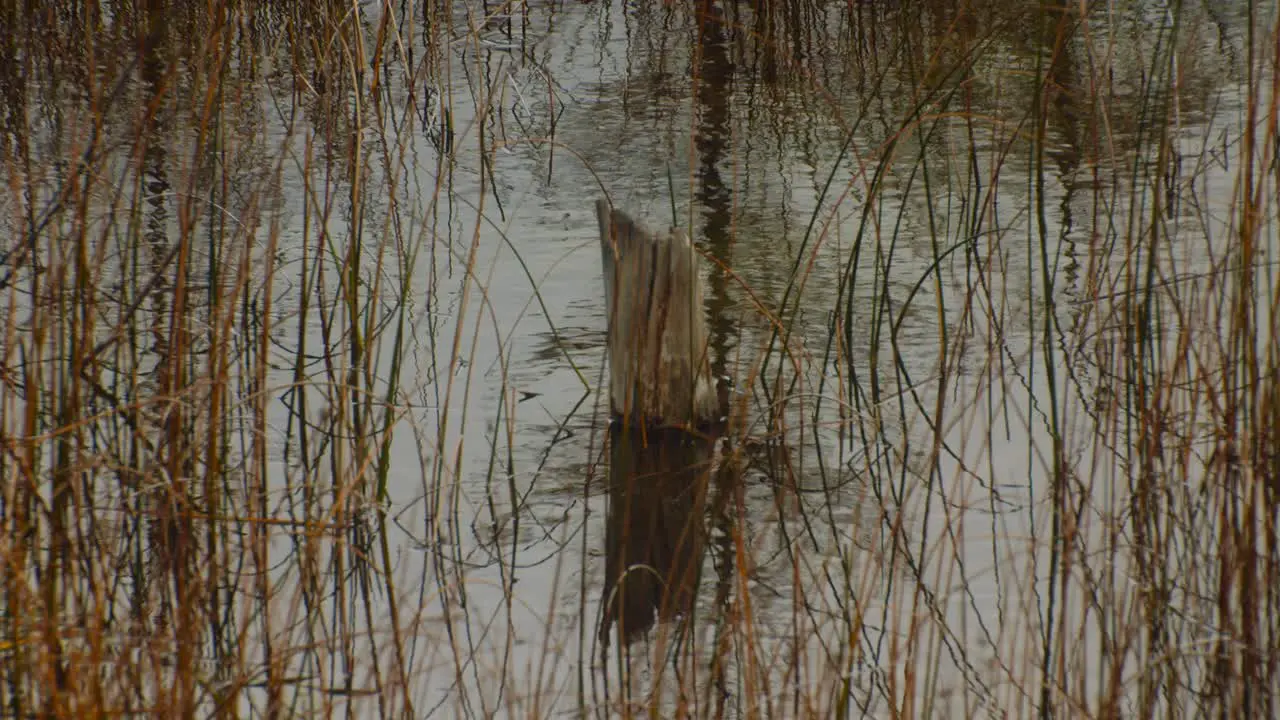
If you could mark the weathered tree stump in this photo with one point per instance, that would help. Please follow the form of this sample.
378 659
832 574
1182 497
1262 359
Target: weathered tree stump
666 415
659 372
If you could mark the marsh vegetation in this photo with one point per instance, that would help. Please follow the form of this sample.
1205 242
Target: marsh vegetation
303 401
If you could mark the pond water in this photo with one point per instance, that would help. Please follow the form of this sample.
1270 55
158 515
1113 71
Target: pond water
921 228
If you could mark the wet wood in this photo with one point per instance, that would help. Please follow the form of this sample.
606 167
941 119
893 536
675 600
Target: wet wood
659 374
667 413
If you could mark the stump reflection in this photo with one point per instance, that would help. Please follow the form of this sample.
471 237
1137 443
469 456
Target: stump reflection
656 532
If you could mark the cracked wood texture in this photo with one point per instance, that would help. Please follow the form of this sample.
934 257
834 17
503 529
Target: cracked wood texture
659 373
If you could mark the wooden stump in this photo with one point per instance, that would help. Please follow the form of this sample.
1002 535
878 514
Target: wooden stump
659 372
666 415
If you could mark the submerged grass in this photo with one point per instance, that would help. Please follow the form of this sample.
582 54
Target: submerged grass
1004 440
